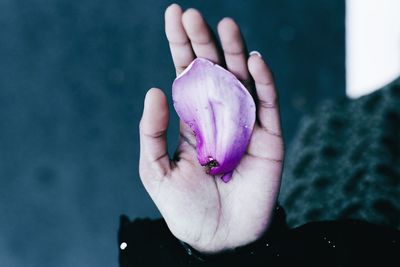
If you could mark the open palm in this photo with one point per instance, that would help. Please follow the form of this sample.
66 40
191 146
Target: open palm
200 209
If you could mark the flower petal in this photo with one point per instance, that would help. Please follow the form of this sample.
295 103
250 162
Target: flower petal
219 110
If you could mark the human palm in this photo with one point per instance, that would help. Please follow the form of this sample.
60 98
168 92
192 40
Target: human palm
201 209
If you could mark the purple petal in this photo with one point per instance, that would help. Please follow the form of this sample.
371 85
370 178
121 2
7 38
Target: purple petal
219 110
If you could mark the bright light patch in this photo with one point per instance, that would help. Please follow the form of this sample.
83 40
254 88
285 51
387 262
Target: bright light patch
372 45
123 246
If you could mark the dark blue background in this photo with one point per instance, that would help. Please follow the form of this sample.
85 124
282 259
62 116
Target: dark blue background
73 75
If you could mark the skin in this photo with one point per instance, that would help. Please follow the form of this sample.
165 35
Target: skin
200 209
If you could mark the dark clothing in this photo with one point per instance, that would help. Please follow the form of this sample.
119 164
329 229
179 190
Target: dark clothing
344 162
329 243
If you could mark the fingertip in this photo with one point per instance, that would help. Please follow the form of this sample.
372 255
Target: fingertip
155 96
192 17
230 36
172 17
253 62
155 110
199 34
258 68
172 13
263 79
228 31
192 12
174 5
173 9
227 23
154 90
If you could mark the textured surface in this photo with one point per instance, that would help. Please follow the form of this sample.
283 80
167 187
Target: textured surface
345 162
73 75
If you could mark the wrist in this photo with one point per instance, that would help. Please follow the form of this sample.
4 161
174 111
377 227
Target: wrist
208 253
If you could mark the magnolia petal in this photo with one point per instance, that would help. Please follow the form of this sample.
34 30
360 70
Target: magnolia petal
219 110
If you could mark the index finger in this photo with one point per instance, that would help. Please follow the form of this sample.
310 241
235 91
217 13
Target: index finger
179 43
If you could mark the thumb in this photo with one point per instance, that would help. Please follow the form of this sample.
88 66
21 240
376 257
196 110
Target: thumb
154 161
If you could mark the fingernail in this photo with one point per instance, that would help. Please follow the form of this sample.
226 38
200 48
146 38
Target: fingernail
255 53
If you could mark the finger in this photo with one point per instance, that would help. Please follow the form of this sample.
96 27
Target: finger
179 43
187 134
234 48
154 160
200 36
268 111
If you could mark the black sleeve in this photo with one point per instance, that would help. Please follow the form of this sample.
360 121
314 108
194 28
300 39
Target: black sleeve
146 242
330 243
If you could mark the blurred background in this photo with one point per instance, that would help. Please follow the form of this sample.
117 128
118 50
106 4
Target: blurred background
73 75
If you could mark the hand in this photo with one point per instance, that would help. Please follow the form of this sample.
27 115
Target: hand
200 209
